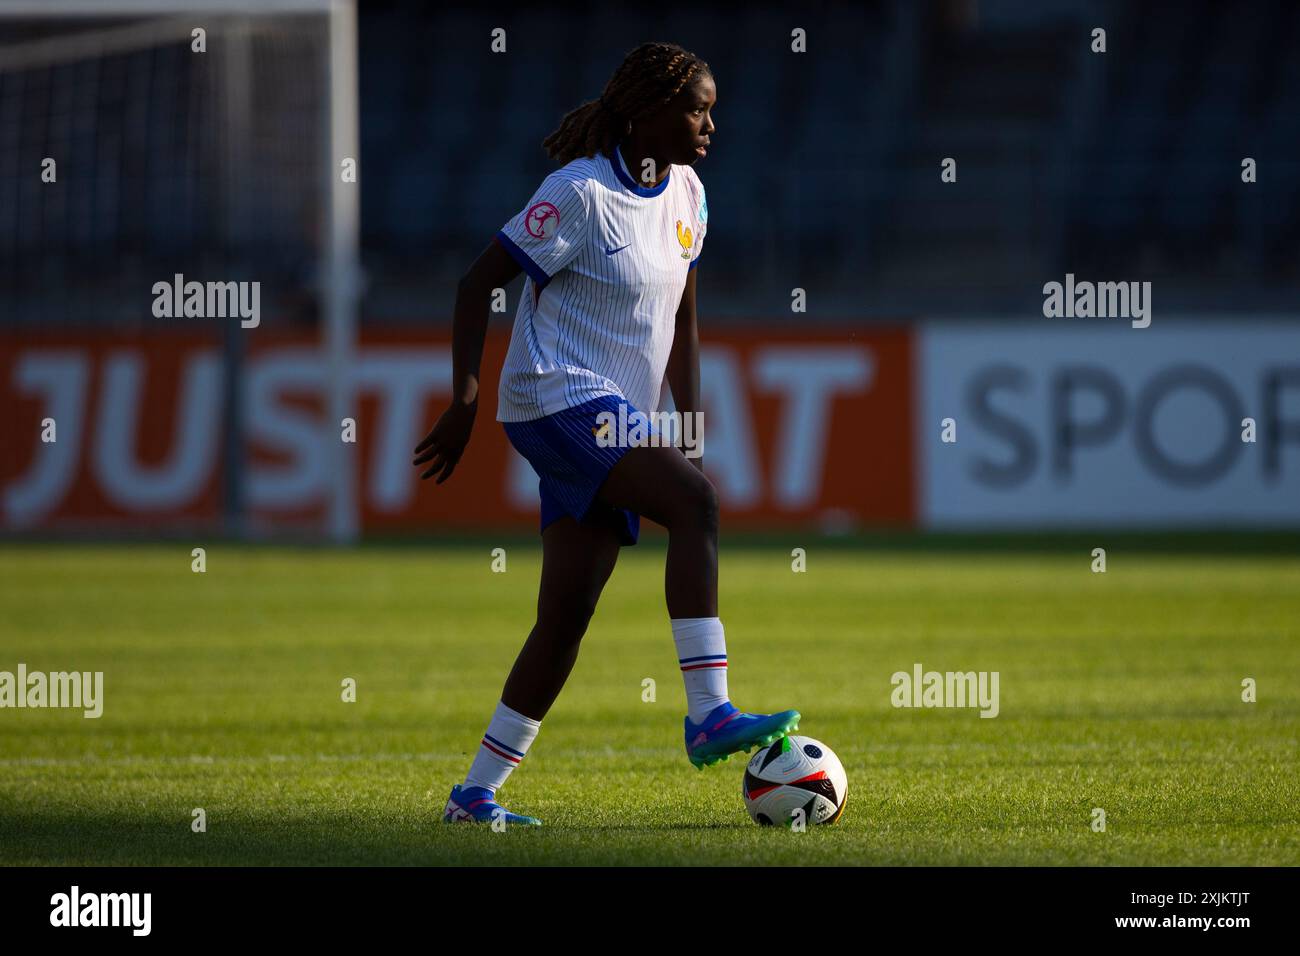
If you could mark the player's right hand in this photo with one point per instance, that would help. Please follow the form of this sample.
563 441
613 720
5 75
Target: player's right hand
446 442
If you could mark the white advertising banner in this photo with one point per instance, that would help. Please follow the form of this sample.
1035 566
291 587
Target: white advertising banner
1059 423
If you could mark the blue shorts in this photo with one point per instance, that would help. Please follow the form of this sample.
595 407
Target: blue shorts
572 465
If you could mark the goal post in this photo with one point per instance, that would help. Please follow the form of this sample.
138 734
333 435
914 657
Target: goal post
255 134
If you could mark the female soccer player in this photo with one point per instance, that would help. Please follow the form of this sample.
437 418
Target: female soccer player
609 243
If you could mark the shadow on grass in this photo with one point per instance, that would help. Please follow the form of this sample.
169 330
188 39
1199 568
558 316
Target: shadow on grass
352 839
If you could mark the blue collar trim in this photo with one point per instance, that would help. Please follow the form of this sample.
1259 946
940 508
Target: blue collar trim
620 170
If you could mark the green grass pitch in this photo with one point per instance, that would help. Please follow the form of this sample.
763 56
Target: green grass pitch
223 692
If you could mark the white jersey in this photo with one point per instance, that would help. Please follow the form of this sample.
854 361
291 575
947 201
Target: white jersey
606 261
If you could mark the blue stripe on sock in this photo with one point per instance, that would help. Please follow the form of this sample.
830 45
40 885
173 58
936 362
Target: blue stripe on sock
518 753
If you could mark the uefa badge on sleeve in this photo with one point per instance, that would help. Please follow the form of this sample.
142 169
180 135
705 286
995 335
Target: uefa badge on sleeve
541 220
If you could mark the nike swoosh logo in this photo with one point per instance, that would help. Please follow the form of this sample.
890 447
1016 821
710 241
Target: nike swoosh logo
610 252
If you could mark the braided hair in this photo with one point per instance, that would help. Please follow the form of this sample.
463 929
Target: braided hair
644 82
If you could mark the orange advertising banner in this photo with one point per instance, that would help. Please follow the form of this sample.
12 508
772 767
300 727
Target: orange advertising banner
801 427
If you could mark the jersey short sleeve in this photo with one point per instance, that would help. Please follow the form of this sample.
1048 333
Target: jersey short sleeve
701 224
550 231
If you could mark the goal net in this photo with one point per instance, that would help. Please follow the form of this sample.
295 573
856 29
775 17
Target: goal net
161 141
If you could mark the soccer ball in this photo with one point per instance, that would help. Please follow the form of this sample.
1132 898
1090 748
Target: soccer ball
795 773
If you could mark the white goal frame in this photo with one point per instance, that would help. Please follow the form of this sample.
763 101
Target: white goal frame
341 279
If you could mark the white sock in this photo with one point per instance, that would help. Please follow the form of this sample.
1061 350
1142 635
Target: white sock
702 654
507 740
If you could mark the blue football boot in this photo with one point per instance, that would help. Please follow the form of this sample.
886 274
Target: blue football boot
475 805
726 731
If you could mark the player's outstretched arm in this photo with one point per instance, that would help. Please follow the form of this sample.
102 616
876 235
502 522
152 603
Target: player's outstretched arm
446 441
